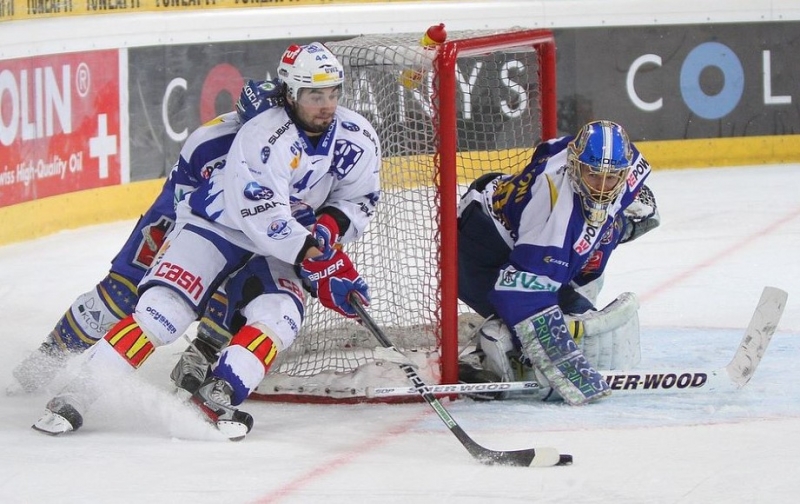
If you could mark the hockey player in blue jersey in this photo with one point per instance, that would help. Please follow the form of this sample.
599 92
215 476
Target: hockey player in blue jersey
311 152
94 312
528 244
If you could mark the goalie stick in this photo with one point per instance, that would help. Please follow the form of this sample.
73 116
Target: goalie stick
535 457
732 377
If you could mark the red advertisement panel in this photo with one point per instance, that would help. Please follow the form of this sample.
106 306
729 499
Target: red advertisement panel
59 125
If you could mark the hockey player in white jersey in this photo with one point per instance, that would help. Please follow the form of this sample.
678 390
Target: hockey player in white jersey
312 151
94 312
528 242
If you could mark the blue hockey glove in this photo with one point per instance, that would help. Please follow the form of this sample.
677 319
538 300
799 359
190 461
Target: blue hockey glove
258 96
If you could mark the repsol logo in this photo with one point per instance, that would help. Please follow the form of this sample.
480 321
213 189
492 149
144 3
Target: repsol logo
188 282
640 168
587 238
261 207
662 381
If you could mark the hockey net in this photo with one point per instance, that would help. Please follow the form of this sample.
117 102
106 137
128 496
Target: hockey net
445 115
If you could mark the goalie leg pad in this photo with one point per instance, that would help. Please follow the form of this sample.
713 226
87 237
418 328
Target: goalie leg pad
609 338
496 343
546 341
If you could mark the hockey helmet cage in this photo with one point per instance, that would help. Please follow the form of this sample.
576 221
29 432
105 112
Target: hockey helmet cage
309 66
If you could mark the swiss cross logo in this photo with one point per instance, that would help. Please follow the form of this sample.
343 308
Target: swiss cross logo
291 54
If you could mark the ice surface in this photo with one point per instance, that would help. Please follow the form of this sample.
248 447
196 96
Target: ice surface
725 234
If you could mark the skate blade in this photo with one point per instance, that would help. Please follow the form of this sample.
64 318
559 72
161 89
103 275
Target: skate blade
235 431
52 424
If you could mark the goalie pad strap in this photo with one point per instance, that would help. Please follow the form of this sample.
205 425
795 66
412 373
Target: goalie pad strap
546 341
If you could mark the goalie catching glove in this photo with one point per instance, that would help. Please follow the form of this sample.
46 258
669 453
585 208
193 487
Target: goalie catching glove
641 216
333 277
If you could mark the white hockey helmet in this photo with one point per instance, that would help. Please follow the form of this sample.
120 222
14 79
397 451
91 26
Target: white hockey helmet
309 66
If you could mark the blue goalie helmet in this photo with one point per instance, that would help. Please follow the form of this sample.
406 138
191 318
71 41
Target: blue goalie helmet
598 162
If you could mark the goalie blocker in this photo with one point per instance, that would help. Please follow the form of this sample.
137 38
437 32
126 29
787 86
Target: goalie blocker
561 352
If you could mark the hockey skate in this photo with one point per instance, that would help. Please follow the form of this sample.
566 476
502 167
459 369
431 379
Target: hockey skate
194 365
59 417
39 368
214 400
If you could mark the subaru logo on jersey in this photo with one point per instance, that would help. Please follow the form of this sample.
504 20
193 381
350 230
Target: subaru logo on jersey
278 229
350 126
254 191
265 154
345 156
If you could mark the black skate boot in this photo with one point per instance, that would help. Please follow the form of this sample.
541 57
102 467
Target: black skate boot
214 399
59 417
194 365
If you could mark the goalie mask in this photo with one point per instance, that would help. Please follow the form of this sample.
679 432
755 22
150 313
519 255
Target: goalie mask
309 66
598 162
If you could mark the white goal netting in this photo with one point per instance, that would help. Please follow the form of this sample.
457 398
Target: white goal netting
490 119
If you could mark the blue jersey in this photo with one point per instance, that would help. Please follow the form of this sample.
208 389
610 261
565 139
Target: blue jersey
203 152
538 214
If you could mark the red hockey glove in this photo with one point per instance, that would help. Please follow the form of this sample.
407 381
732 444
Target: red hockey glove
326 232
334 278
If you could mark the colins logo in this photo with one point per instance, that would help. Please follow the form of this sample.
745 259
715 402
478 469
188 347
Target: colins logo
254 191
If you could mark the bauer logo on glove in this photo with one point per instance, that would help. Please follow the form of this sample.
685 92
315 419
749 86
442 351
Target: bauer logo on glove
327 272
334 278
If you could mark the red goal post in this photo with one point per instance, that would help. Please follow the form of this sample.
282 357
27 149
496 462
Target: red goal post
477 103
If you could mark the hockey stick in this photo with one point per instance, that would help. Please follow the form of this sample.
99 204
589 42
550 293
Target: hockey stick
536 457
732 377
